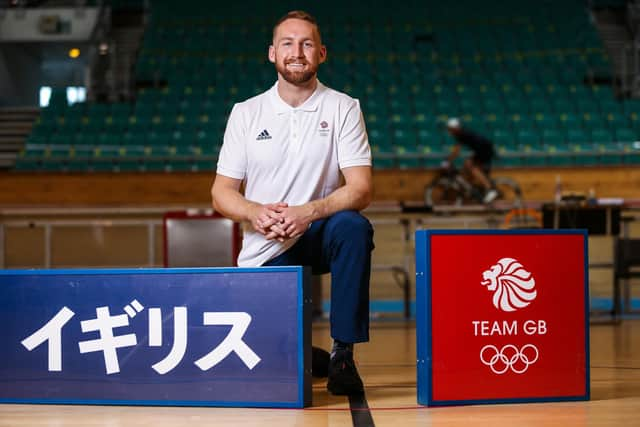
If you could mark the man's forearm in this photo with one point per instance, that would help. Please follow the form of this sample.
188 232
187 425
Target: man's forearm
344 198
231 204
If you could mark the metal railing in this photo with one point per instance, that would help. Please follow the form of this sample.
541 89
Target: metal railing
400 267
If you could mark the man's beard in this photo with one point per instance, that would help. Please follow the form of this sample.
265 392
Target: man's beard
296 77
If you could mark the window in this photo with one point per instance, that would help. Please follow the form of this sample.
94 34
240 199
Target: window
45 96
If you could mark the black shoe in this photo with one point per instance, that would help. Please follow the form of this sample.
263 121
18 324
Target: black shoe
319 362
343 375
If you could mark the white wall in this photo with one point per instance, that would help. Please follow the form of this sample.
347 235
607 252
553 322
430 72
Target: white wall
22 25
6 88
19 82
25 67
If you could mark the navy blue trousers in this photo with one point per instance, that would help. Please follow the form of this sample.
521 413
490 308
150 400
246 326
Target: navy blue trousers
340 244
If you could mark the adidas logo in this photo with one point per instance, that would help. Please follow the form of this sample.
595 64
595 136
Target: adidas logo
263 135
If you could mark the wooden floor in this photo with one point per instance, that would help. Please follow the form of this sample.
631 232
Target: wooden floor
387 365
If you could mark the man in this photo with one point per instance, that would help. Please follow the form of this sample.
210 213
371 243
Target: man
478 166
291 146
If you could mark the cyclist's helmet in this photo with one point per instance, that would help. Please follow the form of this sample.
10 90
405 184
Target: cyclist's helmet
453 123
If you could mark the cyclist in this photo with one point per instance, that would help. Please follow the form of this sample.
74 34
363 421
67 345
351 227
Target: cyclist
478 166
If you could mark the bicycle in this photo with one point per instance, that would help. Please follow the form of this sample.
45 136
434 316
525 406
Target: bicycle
450 188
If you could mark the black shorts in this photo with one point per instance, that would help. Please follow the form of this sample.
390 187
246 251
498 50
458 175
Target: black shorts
483 163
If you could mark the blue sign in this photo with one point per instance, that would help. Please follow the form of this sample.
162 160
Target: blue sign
186 337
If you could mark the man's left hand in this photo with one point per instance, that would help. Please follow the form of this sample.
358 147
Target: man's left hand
295 220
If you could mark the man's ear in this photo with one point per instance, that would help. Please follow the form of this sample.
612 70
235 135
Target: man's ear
272 54
323 53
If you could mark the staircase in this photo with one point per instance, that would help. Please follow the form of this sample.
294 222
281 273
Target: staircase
15 126
126 35
612 27
114 56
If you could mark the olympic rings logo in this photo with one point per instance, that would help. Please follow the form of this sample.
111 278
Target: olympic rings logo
509 357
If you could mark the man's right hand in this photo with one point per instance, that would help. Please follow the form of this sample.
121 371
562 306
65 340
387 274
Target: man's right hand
266 218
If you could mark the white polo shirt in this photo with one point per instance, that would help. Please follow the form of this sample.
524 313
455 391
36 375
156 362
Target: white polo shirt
291 155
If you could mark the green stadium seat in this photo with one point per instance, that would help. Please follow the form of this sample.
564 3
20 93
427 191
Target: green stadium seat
101 166
552 137
528 137
632 158
127 165
503 138
153 165
26 164
179 165
539 104
130 138
380 137
563 105
616 120
594 120
407 157
608 106
569 121
405 138
559 155
447 106
52 165
534 156
61 138
494 105
609 153
84 139
585 105
400 106
516 105
202 165
626 135
115 124
602 136
577 136
634 119
111 140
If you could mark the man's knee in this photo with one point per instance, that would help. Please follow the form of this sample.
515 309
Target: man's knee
351 225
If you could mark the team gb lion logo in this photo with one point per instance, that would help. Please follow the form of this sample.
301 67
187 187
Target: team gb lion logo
513 287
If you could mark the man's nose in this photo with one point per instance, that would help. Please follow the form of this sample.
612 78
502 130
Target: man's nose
297 50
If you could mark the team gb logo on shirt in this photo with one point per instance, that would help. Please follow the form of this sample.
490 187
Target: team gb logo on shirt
324 128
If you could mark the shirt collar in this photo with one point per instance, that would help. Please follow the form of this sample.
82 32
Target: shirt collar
311 104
